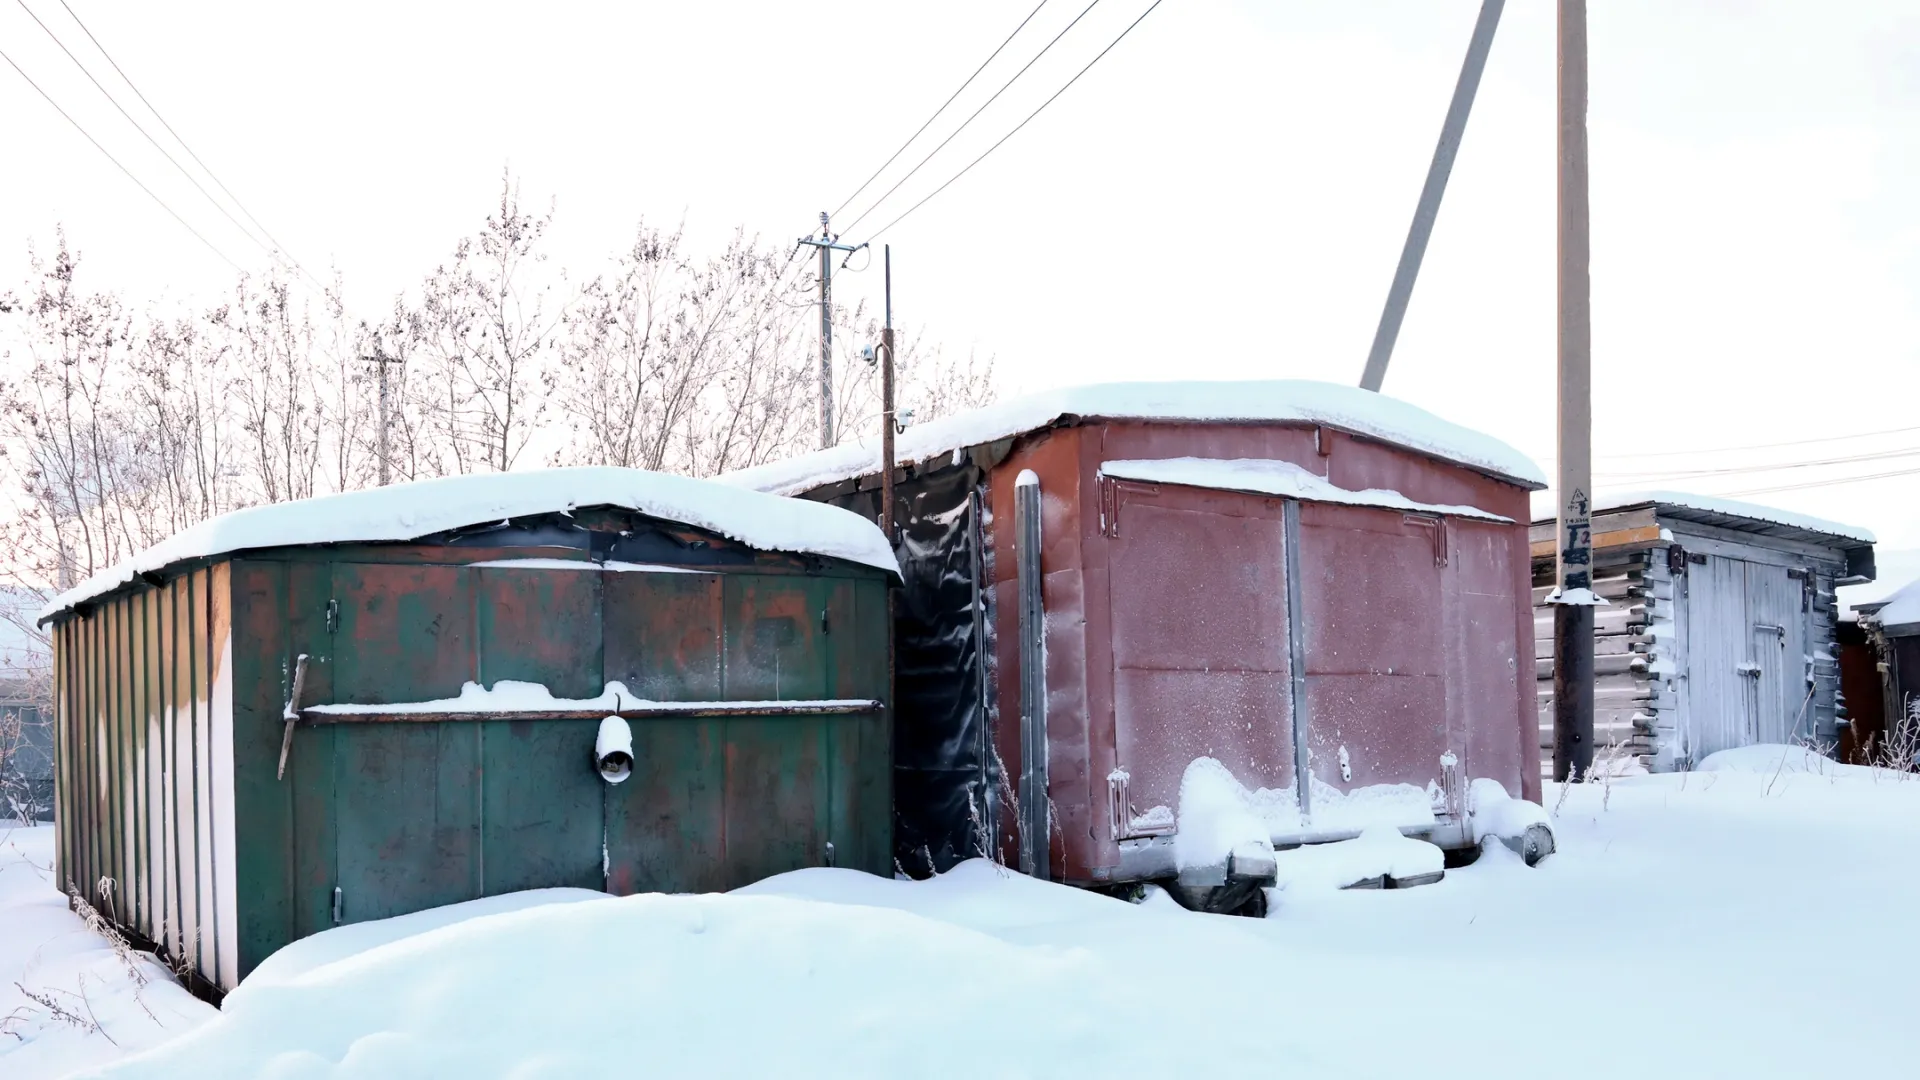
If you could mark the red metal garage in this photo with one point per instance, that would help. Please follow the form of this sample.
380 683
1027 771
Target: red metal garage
1324 590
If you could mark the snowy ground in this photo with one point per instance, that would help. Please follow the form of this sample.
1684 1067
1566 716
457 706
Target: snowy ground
1752 922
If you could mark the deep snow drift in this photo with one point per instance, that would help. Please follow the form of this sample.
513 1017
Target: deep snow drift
1751 921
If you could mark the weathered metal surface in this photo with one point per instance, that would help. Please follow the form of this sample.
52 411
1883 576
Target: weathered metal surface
1198 614
168 745
1470 695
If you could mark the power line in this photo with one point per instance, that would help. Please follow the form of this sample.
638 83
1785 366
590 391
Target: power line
1825 483
1734 470
275 249
215 177
1023 123
936 112
1756 446
122 168
963 124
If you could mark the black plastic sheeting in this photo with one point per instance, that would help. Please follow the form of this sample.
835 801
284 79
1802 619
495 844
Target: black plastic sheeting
943 769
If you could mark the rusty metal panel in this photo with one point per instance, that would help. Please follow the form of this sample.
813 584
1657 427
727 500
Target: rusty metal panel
777 795
408 804
541 626
1371 599
405 797
772 647
1486 656
860 769
666 826
264 841
310 762
402 633
1197 598
542 819
662 634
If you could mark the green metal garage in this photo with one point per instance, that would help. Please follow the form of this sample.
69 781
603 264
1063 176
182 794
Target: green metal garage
367 704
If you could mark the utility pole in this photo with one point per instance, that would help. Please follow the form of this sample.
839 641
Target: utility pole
1573 615
1428 209
827 244
887 420
381 359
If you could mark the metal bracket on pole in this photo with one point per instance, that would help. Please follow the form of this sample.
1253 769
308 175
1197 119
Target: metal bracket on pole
827 244
1429 209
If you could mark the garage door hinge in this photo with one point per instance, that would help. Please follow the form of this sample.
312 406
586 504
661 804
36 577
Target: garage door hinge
336 904
333 615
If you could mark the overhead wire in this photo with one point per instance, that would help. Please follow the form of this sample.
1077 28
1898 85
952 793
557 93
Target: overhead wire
270 246
1808 484
877 203
116 161
1735 470
936 113
1017 127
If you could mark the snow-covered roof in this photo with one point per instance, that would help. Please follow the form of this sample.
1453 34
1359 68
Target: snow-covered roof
1901 609
426 507
1265 476
1706 508
1275 400
1893 570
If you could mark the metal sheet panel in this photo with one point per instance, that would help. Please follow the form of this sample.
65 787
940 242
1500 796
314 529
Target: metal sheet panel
1371 590
1196 591
406 798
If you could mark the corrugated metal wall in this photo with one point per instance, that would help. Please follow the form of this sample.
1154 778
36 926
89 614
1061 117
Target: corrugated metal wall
144 769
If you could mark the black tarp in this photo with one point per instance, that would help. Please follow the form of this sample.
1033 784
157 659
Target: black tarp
943 769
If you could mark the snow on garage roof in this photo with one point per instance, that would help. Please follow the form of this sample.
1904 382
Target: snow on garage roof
426 507
1274 400
1707 508
1263 476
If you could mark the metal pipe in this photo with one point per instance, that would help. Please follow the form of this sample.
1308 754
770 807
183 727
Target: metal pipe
1428 209
1296 658
1034 818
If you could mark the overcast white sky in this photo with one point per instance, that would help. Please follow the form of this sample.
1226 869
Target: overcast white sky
1223 196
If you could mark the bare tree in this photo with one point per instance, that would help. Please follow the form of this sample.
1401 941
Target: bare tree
485 324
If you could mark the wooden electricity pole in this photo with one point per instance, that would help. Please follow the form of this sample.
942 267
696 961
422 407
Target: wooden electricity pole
1573 616
887 420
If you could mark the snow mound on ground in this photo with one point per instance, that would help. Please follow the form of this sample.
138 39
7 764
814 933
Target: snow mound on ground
1216 817
1770 758
1377 851
341 942
426 507
1495 813
762 983
47 952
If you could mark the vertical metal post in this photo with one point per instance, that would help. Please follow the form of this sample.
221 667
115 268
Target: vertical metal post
1035 834
886 403
1296 659
1428 209
826 339
385 421
1573 622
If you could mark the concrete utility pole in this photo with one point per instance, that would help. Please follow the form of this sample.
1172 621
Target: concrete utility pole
1429 208
1573 616
381 359
827 245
